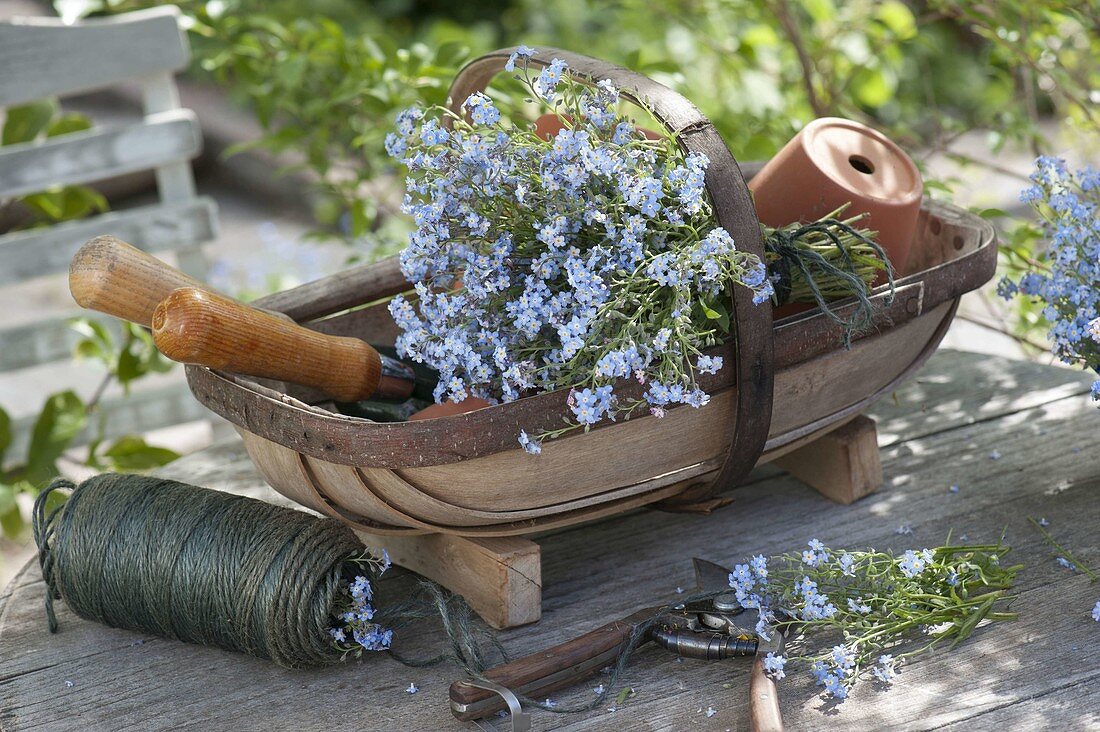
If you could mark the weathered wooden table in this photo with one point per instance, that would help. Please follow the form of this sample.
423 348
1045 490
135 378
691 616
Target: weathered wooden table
1042 671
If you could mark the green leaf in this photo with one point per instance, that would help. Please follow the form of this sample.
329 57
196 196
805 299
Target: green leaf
68 123
129 368
47 205
133 453
97 344
92 328
81 201
820 10
897 16
7 497
66 204
12 523
27 121
966 627
871 88
61 420
717 310
5 435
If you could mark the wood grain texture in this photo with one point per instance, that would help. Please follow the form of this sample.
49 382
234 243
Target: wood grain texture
194 326
44 57
350 288
500 577
152 228
96 154
843 465
1042 671
764 712
491 433
583 476
110 276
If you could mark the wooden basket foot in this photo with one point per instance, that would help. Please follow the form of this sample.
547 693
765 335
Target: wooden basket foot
842 465
500 577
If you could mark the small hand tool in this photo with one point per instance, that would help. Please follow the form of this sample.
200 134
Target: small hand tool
715 628
199 326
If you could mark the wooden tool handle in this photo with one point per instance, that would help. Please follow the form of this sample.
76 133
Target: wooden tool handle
110 276
548 670
195 326
763 700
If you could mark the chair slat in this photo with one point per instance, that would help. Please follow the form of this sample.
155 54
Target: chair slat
38 252
44 341
43 57
142 411
98 154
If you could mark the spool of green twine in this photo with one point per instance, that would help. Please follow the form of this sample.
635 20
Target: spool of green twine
195 565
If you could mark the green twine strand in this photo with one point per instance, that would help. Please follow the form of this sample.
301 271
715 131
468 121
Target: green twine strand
815 267
194 565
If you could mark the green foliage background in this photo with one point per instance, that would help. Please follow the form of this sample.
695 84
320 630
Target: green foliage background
326 78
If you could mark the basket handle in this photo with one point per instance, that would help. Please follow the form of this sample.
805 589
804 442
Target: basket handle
734 209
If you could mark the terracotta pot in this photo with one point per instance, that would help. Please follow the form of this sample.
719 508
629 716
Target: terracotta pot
448 409
549 125
833 161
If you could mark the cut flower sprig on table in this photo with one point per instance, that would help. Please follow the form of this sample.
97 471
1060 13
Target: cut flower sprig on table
590 256
854 615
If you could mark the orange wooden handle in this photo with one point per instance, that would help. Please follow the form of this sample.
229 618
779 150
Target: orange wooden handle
195 326
110 276
764 712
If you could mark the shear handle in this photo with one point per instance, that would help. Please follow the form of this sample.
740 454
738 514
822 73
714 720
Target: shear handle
764 712
548 670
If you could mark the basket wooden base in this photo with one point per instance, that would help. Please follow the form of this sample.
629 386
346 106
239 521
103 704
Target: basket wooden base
501 577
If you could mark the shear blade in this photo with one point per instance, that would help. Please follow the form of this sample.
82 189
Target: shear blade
710 576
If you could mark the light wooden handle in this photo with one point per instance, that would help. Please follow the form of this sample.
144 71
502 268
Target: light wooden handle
110 276
764 712
195 326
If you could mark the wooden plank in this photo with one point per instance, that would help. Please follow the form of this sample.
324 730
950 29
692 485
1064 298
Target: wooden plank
500 577
96 154
44 57
602 571
143 410
175 182
34 253
843 465
1074 706
936 399
43 341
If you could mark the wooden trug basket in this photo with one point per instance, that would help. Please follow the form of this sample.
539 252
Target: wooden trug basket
436 492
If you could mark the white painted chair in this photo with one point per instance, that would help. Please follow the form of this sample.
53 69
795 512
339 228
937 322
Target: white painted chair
44 58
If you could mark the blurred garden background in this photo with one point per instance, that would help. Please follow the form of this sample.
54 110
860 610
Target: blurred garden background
295 99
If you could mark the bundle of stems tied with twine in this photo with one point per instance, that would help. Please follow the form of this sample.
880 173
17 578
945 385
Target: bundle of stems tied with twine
827 260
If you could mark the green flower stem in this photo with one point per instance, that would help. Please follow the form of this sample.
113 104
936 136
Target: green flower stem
1063 551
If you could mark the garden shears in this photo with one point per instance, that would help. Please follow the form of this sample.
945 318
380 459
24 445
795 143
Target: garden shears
713 627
